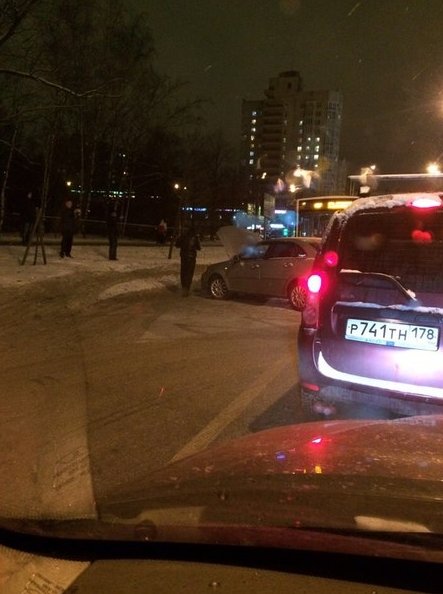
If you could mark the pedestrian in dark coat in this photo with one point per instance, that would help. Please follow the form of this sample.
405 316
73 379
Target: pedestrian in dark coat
189 244
112 224
67 225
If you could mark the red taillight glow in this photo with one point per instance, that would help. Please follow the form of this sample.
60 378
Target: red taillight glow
331 258
420 236
314 283
426 202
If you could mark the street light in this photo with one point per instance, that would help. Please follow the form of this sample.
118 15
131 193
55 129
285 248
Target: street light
178 220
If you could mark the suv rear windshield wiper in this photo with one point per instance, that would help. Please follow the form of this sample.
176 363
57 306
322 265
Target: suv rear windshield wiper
379 280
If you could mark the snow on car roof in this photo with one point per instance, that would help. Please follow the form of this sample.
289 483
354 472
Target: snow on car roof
397 307
385 201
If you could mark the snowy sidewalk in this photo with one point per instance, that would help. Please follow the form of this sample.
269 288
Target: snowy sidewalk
94 260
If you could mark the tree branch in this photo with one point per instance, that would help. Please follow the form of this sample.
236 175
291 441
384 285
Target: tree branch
17 150
20 15
57 86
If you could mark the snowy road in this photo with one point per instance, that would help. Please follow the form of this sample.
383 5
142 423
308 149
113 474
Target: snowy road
108 373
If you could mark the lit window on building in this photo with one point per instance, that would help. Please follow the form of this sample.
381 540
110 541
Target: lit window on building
254 121
299 149
251 153
301 122
251 161
254 113
253 129
252 137
316 157
318 139
317 148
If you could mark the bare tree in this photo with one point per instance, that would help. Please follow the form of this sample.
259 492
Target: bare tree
93 62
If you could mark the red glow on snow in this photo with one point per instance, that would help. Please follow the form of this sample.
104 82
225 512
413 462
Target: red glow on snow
420 236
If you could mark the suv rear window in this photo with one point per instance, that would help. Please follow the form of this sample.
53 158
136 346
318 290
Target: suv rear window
404 243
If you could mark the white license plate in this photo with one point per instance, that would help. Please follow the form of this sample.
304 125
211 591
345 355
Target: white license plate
406 336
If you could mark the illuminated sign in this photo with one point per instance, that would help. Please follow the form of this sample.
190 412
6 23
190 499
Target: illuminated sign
338 204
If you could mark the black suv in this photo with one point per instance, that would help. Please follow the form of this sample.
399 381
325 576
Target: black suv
371 332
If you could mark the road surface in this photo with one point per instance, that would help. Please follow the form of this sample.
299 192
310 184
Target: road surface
109 374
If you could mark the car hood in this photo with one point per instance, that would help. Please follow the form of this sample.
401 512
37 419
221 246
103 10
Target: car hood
360 487
235 239
408 448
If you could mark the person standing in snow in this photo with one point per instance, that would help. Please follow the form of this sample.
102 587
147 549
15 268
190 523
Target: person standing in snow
189 244
67 226
161 231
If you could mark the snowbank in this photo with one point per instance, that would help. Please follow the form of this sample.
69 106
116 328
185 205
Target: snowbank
94 260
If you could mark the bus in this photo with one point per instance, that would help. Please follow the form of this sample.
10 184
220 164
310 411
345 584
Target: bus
313 214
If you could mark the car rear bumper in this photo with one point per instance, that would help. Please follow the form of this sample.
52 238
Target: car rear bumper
338 388
401 404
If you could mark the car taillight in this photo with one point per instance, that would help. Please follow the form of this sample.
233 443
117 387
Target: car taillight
317 282
310 312
314 283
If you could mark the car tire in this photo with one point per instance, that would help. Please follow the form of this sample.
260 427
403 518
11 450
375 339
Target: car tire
297 296
217 287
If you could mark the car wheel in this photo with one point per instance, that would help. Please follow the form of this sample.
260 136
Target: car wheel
297 296
217 287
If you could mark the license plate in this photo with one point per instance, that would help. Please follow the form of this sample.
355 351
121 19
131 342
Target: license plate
407 336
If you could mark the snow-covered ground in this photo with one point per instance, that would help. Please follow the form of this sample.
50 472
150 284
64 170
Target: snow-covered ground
94 260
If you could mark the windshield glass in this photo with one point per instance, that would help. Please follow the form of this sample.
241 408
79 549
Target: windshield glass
180 350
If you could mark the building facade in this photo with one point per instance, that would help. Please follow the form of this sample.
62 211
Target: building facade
288 132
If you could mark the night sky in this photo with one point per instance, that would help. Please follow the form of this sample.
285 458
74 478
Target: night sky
385 55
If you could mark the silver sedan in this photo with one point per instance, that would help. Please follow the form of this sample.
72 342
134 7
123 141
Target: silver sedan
271 268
